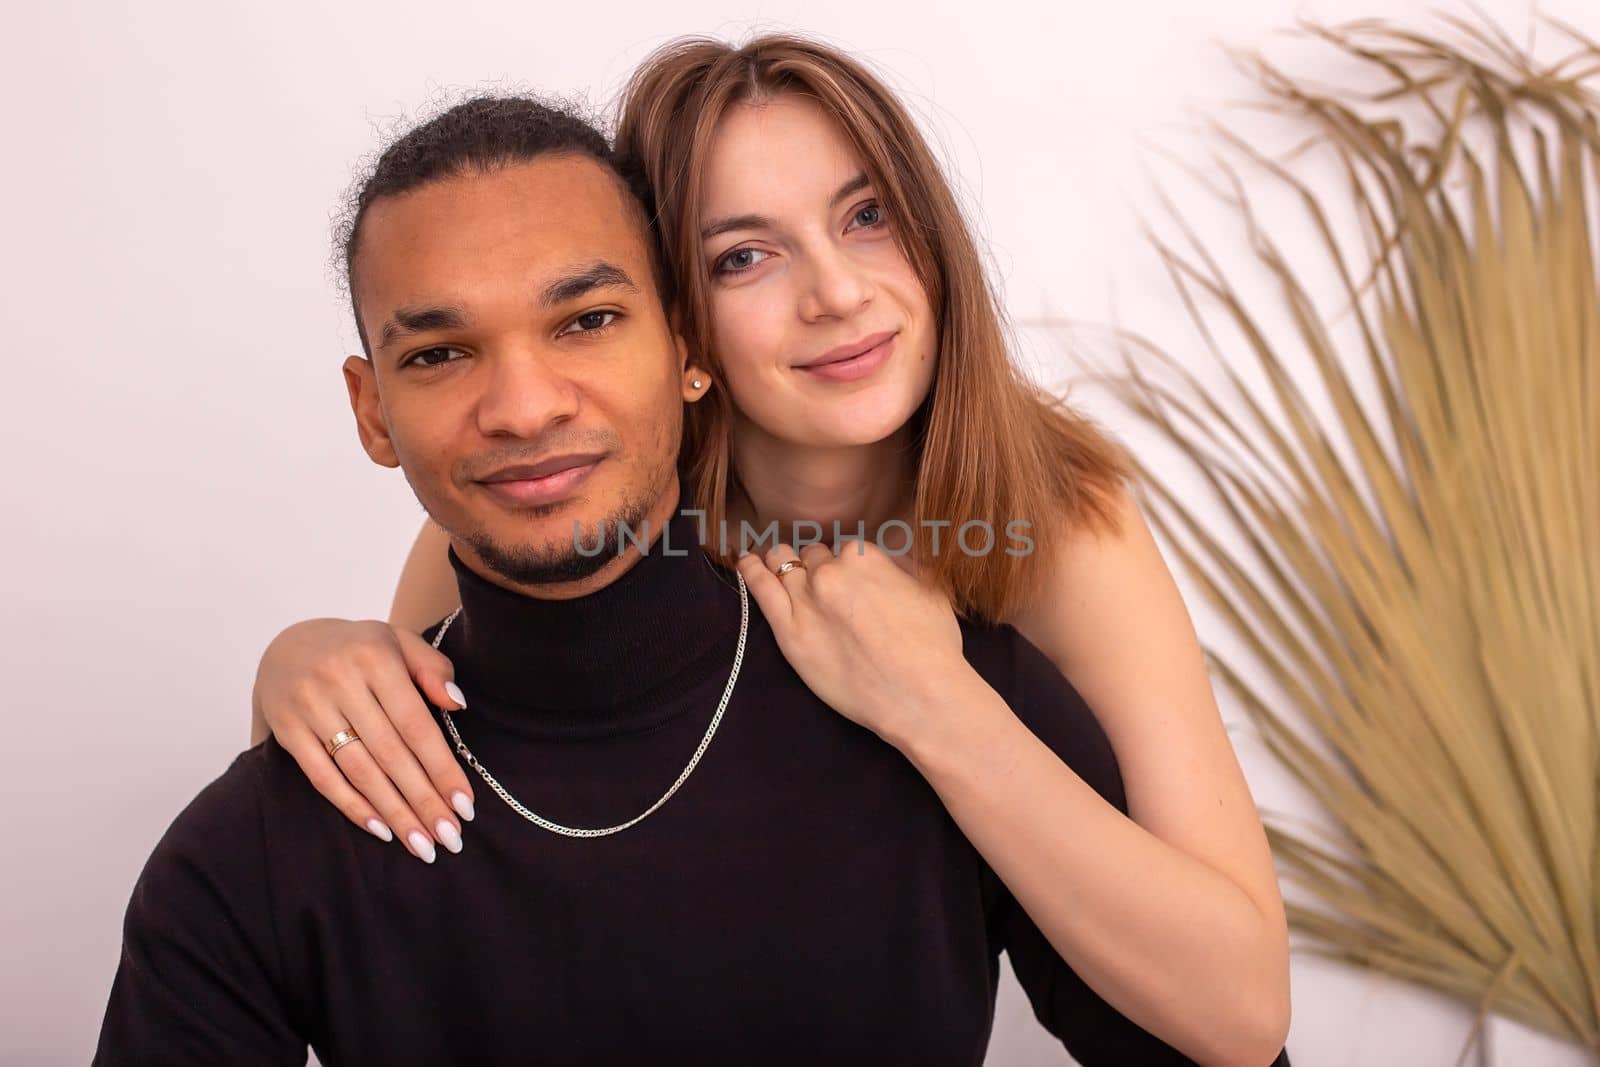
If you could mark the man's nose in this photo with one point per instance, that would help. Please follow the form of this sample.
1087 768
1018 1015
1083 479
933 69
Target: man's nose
834 286
525 394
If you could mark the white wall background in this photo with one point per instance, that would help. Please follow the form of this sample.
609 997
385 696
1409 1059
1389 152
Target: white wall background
181 473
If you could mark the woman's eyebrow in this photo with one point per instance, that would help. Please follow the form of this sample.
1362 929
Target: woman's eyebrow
758 222
854 185
734 222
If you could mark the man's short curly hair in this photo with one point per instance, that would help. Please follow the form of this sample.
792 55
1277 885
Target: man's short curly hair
478 135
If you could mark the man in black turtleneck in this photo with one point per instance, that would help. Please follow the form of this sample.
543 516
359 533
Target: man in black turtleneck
803 898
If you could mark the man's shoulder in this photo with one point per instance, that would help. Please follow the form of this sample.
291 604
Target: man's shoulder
227 802
234 854
231 811
202 976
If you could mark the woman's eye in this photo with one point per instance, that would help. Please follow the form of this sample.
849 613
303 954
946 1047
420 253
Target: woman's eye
871 215
420 358
590 321
740 259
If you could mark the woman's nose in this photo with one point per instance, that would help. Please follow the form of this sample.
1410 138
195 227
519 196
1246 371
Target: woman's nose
835 287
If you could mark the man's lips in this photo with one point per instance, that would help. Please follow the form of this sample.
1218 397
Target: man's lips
540 483
549 465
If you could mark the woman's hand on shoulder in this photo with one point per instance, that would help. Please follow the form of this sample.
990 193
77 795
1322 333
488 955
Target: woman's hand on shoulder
863 633
323 676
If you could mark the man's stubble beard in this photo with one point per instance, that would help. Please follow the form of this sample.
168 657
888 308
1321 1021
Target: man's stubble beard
561 562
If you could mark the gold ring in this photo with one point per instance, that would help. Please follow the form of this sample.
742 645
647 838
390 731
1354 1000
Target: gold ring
789 565
339 740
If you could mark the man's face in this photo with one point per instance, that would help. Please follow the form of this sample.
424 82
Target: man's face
514 322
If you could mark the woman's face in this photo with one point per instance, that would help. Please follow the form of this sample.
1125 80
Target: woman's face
804 273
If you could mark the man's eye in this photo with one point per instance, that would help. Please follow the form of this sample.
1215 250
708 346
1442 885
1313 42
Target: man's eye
739 260
871 215
590 321
421 358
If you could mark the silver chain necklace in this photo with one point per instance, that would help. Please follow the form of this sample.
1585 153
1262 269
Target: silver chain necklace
570 831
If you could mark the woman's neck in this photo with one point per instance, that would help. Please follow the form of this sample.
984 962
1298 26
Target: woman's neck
855 486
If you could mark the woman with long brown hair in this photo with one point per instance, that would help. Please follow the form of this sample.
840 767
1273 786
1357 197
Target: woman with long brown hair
859 379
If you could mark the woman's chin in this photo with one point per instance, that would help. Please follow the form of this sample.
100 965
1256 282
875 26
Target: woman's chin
853 423
859 432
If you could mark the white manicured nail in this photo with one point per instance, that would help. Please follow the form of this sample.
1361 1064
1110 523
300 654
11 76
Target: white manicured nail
449 835
463 806
455 693
421 846
379 830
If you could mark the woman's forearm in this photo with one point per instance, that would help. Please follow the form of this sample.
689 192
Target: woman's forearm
259 730
427 589
1168 941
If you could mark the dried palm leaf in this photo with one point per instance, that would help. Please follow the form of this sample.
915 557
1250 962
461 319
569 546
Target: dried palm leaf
1425 598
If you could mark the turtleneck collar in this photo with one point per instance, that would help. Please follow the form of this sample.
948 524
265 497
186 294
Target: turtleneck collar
613 659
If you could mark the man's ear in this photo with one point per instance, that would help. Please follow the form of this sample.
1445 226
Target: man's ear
362 384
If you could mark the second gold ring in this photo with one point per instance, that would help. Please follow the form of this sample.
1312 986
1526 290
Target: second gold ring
339 740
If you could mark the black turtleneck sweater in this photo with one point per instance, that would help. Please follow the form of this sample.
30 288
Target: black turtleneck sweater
804 898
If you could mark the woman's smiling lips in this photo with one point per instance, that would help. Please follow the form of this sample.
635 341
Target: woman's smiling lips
529 492
856 366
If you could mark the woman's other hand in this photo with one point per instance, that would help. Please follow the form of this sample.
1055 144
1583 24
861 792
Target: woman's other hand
862 632
322 676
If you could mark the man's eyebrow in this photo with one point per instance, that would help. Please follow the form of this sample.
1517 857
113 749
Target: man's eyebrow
760 222
570 286
600 275
420 320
